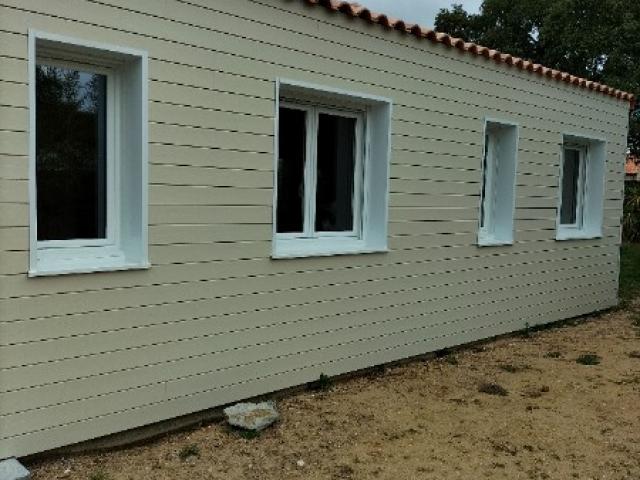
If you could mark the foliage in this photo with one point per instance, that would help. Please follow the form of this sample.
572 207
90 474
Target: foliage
631 212
629 272
323 384
99 475
589 359
493 389
596 39
248 434
451 359
511 368
188 451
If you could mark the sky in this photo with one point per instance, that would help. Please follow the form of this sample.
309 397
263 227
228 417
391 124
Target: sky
417 11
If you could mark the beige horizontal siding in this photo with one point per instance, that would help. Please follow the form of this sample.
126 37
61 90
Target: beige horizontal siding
215 319
208 26
52 415
330 360
162 294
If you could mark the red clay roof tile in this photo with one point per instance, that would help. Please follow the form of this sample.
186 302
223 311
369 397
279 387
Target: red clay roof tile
356 10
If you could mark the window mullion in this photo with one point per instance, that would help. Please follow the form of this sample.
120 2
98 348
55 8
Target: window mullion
357 200
310 173
495 178
489 191
112 162
582 172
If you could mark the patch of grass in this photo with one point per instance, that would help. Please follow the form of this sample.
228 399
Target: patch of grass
589 359
447 355
451 359
323 384
344 471
248 434
554 354
242 433
188 451
529 329
628 380
510 368
99 475
493 389
629 272
442 353
631 213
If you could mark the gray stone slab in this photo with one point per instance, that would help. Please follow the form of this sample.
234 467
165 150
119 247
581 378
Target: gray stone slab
252 416
12 469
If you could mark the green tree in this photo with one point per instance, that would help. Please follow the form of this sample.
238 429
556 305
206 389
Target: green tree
631 213
595 39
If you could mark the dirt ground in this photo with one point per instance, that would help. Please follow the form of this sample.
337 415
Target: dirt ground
428 420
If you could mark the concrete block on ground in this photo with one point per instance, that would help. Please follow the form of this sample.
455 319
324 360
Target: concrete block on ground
12 469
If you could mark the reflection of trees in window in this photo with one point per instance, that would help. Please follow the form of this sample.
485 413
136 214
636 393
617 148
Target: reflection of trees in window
70 153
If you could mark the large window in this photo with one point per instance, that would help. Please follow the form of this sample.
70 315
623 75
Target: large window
74 180
319 172
88 156
331 172
497 196
581 188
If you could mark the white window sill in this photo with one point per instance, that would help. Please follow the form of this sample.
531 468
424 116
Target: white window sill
44 272
67 261
575 234
314 247
493 242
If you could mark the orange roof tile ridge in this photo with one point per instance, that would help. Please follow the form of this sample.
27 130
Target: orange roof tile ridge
357 10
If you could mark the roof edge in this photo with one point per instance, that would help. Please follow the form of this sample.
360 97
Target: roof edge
356 10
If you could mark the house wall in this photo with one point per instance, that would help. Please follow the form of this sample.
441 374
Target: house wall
215 319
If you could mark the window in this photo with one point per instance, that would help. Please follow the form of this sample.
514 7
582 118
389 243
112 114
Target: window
321 193
581 188
573 173
497 195
72 172
88 157
331 172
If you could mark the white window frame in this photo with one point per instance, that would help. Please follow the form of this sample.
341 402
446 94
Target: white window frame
125 244
591 187
371 176
495 228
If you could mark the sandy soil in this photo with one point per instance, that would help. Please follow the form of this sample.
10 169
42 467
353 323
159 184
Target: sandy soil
428 420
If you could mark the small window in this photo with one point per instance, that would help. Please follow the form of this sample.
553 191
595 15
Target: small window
581 188
328 167
573 172
497 195
88 180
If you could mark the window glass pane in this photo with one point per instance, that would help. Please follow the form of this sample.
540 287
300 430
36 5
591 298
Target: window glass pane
292 152
70 154
335 174
570 179
485 172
